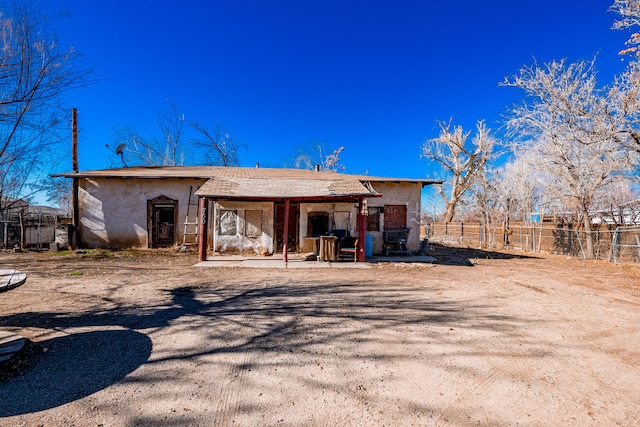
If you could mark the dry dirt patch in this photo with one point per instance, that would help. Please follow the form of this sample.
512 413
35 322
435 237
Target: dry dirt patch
145 338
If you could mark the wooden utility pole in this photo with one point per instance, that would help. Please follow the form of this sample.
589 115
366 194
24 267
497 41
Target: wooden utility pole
74 139
74 236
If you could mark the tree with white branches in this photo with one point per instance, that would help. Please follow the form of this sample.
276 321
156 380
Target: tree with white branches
564 129
461 159
316 153
629 11
520 188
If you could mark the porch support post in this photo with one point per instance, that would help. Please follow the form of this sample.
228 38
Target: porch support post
202 230
362 226
285 233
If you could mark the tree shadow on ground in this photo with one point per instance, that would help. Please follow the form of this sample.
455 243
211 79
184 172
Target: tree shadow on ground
51 377
269 316
451 255
275 305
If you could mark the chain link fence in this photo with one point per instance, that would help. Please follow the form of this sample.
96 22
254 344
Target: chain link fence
610 243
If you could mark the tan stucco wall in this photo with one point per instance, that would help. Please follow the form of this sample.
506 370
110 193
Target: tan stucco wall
114 214
239 243
408 194
306 244
114 211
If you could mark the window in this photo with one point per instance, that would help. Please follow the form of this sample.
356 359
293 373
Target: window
318 224
253 223
228 222
373 219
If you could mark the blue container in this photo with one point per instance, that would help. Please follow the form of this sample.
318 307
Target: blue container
368 245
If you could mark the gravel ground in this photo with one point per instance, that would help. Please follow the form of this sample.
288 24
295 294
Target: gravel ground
145 339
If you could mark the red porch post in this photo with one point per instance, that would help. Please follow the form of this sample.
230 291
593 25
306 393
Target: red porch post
362 228
285 234
202 228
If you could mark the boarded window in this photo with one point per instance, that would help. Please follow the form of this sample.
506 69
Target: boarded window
395 217
373 219
228 222
253 223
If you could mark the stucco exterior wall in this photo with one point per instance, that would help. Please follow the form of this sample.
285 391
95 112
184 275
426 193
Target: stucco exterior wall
113 214
240 242
342 216
401 193
113 211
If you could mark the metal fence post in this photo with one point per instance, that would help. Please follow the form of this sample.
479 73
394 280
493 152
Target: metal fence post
580 243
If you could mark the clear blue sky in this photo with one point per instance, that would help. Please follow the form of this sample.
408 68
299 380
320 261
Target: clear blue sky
372 76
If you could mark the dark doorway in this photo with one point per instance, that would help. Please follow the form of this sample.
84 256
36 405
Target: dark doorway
292 245
162 219
318 224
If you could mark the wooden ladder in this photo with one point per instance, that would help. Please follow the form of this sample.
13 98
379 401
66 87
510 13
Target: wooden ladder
190 227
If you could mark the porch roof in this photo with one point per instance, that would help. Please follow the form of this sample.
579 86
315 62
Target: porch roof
339 187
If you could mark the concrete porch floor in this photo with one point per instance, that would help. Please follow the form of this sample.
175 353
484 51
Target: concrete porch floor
302 261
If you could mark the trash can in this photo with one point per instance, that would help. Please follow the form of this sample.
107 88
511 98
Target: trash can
368 246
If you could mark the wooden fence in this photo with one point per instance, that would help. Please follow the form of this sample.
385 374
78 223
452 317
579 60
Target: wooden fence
611 243
32 231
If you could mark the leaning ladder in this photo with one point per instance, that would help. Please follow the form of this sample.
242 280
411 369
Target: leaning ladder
190 227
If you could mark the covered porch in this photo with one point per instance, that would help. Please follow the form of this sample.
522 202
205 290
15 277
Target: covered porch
281 211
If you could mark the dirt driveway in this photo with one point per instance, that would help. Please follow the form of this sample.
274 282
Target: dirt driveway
145 339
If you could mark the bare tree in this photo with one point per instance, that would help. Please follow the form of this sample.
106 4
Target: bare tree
520 188
35 73
624 102
617 202
460 159
629 11
58 192
164 150
488 208
316 153
219 145
565 131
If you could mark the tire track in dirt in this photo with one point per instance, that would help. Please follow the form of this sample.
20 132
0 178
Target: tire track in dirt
632 418
389 358
591 405
227 402
454 412
234 376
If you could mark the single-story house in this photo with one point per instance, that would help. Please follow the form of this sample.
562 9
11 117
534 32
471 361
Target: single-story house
240 210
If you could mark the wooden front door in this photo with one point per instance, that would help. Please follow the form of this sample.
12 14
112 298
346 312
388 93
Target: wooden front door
162 220
293 227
